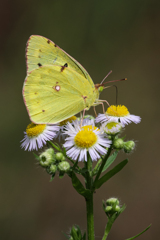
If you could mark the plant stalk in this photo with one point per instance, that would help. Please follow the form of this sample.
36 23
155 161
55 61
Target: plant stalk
89 200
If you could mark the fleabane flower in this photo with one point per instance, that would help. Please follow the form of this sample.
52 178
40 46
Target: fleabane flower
118 114
111 128
83 139
37 135
60 133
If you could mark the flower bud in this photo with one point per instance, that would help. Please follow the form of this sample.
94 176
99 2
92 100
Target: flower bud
46 159
71 238
108 209
50 151
117 208
129 146
59 156
112 201
63 158
118 143
53 169
63 166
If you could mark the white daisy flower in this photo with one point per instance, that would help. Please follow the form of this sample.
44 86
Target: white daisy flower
38 134
87 138
111 128
60 134
118 114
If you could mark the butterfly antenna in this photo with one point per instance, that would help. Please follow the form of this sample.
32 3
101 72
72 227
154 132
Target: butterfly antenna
123 79
116 94
106 76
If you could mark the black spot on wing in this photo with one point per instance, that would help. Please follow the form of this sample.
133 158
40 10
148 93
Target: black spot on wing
43 110
64 66
48 41
39 64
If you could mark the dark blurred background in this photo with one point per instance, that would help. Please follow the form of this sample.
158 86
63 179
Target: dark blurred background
102 35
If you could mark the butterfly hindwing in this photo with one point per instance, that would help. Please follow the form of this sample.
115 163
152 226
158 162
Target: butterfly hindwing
52 94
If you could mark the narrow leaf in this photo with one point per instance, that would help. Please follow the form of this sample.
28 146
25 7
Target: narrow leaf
36 156
110 160
139 233
84 236
68 237
110 174
79 186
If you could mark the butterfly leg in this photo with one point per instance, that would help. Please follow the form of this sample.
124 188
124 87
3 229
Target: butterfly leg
95 111
82 117
107 104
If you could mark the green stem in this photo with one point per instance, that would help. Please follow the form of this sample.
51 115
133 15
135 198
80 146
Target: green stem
107 229
102 165
53 145
89 200
90 217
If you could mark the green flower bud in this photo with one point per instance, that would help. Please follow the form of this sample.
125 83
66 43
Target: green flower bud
63 166
63 158
46 159
112 201
129 146
71 238
117 208
59 156
118 143
50 151
108 209
53 169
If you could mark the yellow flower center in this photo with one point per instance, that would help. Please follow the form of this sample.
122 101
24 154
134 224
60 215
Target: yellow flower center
34 130
111 125
118 111
86 138
64 122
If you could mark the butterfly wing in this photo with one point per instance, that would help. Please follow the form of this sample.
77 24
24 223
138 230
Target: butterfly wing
52 94
42 51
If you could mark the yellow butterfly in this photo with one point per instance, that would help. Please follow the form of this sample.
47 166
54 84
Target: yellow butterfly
57 86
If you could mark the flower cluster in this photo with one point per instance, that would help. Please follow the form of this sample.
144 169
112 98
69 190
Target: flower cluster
84 137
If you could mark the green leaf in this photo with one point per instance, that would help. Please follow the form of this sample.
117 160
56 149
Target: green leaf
110 160
52 177
79 186
36 156
139 233
75 165
68 237
110 174
84 236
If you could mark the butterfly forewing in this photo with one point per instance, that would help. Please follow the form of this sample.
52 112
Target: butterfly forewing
52 95
42 51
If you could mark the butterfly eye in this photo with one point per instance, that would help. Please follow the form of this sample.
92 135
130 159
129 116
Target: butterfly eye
66 65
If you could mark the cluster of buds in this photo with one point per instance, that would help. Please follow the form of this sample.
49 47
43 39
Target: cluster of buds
111 206
76 234
119 144
54 162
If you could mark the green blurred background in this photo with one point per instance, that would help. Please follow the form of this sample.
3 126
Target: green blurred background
102 35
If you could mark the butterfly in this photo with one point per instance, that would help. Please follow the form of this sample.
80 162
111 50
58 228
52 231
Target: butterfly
57 86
